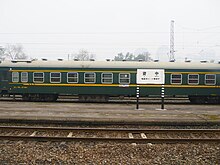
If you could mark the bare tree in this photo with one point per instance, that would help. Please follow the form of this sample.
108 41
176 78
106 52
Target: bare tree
127 57
2 54
83 55
145 56
14 52
119 57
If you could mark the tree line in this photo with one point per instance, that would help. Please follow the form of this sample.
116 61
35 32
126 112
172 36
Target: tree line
144 56
16 52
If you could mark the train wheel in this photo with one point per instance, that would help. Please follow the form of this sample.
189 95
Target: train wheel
197 99
48 97
94 98
25 97
35 97
82 98
213 100
30 97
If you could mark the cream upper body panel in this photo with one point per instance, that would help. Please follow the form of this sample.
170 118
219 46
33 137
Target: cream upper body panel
111 64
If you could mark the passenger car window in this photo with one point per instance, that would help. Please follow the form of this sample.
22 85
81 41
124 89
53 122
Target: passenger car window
107 78
38 77
72 77
55 77
176 78
210 79
124 78
24 76
15 77
89 77
193 79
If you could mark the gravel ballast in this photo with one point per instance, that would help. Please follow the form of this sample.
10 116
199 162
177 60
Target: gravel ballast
107 153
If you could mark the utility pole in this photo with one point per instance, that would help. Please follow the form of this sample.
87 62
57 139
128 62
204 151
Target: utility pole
1 53
1 48
172 41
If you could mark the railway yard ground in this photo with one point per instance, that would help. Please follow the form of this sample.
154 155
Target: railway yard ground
108 112
135 142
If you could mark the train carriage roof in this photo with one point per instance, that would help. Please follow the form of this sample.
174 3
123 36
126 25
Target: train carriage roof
110 64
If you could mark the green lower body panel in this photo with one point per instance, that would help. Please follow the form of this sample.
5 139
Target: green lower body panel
113 90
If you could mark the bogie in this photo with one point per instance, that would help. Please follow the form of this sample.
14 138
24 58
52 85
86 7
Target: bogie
40 97
93 98
204 99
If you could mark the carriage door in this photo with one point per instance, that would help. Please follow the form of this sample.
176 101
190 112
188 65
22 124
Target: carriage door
4 76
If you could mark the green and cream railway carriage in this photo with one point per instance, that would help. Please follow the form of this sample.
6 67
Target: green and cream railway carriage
97 80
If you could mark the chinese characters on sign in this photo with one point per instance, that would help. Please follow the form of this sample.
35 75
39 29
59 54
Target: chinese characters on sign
150 76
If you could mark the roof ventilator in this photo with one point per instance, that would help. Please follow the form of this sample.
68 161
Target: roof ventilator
173 60
188 60
16 61
44 59
203 61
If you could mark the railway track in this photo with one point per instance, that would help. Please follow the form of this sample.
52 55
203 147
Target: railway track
65 134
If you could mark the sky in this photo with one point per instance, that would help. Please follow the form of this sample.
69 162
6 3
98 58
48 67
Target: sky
57 28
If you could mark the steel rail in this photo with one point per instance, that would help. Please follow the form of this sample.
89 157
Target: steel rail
100 139
130 130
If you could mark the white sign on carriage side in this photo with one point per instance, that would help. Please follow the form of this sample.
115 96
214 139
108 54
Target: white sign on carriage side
150 76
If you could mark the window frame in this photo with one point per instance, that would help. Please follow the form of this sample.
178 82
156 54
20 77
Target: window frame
210 79
87 77
76 78
181 79
26 80
13 77
119 77
55 77
107 78
38 77
193 79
